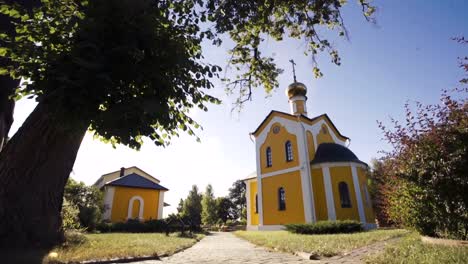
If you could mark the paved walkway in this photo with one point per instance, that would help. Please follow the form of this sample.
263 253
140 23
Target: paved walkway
226 248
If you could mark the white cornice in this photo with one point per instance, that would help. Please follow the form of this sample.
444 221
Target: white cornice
338 164
274 173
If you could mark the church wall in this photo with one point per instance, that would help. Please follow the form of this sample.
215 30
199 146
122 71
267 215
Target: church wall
310 145
108 199
324 135
276 115
294 213
369 211
122 196
252 209
316 125
344 174
320 201
288 174
277 144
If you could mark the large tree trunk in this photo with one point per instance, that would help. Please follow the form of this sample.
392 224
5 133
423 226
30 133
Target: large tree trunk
7 87
7 105
34 168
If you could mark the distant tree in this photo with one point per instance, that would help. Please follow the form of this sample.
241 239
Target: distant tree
209 210
180 206
379 189
224 207
88 199
192 209
237 197
244 214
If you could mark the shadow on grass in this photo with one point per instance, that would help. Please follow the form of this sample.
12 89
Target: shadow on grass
20 256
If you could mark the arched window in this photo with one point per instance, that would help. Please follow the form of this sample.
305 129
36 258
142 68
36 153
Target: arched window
256 203
288 150
344 195
135 208
268 157
281 199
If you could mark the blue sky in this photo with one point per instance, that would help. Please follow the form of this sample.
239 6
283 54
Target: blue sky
407 55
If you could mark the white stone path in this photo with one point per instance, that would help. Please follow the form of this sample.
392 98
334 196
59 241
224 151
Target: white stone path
226 248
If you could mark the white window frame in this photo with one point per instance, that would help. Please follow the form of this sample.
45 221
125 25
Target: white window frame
289 151
269 157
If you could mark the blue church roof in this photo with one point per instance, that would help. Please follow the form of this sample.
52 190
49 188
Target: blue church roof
331 152
136 181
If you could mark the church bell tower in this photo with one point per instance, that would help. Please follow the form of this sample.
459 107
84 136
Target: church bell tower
296 93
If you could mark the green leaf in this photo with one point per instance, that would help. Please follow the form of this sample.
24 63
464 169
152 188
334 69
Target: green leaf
3 51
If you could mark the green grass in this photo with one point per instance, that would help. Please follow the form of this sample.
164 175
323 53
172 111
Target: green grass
323 245
120 245
411 250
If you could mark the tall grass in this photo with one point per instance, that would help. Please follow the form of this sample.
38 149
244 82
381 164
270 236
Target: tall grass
411 250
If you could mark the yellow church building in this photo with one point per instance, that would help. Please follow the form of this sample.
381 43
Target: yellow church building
305 171
131 193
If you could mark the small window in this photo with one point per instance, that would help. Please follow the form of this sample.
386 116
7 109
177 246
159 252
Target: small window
344 195
324 129
256 203
281 199
289 151
268 157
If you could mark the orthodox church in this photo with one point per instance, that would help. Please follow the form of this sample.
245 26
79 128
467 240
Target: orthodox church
305 171
131 193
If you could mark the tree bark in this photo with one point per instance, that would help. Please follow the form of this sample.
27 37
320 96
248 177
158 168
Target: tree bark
7 87
34 168
7 105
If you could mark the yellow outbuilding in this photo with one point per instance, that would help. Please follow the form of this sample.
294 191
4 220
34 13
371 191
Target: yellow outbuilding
305 171
131 193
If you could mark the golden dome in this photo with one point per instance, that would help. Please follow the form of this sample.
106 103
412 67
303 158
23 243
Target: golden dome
296 88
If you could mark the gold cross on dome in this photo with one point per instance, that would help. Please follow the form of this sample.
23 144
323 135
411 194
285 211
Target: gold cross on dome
294 69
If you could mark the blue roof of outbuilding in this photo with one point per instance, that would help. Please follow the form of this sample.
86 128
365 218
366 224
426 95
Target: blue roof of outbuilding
136 181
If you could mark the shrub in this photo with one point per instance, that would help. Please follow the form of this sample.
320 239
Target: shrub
135 226
429 169
70 219
176 223
90 217
74 238
104 227
231 222
88 200
243 221
326 227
